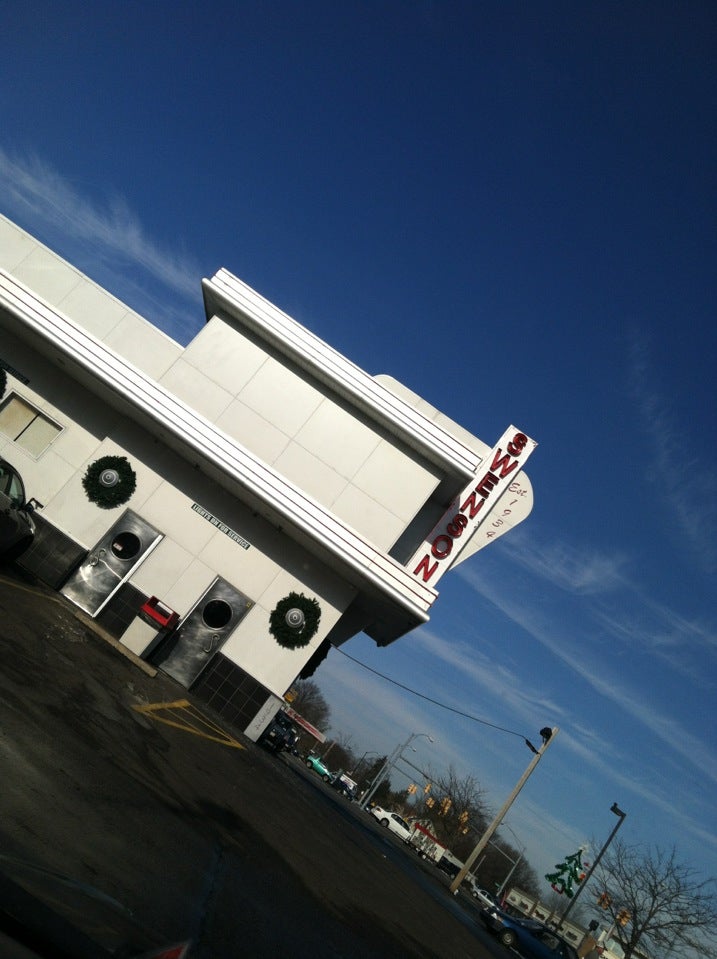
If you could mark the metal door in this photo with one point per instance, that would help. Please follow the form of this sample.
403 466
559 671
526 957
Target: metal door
111 562
204 630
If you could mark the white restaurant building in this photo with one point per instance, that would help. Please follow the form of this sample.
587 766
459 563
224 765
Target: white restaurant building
253 473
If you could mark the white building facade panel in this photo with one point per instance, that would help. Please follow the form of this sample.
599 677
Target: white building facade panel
266 441
196 389
223 354
357 508
338 439
93 309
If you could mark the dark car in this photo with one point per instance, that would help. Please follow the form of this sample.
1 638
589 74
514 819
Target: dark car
345 785
17 529
280 734
532 939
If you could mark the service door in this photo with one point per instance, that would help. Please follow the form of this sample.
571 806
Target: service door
111 562
203 631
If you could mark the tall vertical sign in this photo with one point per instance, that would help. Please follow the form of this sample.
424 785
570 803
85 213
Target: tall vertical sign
471 507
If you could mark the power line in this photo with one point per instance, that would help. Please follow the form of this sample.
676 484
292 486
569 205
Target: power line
414 692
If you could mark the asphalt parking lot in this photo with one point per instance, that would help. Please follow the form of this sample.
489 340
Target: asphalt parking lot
199 833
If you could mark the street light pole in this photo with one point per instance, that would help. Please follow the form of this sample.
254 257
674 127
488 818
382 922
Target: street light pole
499 891
615 809
388 766
548 736
505 882
378 778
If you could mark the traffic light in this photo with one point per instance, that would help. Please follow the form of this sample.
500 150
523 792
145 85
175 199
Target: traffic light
623 917
430 802
427 788
604 900
411 789
446 804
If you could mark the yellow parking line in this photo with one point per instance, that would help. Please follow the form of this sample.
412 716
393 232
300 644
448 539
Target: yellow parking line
187 720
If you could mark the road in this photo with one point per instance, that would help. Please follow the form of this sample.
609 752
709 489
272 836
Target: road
219 842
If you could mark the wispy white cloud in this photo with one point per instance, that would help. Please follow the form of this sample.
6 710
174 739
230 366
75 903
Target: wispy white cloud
610 684
680 475
682 644
611 599
622 771
109 233
391 708
493 682
580 571
584 743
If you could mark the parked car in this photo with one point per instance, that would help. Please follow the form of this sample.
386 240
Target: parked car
17 529
530 938
450 864
392 821
280 734
346 786
482 895
317 764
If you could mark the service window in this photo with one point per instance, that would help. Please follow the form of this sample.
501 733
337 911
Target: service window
26 425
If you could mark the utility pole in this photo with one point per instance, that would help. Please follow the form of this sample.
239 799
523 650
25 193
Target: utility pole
548 736
616 811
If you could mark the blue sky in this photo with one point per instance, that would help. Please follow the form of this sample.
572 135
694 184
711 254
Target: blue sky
510 207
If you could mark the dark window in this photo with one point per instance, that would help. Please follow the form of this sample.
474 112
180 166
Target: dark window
216 613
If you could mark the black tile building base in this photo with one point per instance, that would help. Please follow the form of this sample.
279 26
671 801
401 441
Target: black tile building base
232 694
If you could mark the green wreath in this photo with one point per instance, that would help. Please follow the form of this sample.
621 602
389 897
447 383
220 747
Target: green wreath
3 382
294 620
109 481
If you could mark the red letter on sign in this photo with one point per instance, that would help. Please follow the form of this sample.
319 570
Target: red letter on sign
424 568
445 547
487 483
503 464
455 528
518 444
471 507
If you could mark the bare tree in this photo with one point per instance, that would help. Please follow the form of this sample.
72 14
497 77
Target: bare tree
456 806
657 903
309 702
345 742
